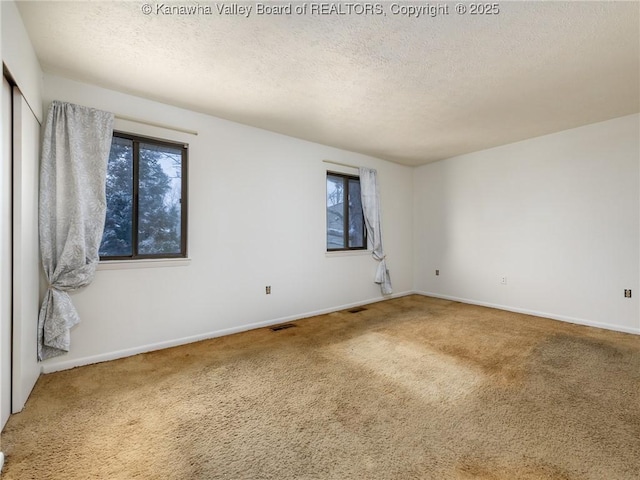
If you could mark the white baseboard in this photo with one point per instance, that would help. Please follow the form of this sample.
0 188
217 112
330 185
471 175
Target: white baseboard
562 318
65 365
104 357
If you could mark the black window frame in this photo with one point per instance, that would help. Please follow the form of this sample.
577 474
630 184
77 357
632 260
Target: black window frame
184 197
345 179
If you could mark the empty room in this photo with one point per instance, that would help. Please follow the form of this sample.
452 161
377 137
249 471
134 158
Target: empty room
320 240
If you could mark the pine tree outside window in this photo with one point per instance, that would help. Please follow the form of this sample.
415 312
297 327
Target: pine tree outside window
146 199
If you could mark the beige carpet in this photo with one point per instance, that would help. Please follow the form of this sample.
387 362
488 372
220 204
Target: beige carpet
412 388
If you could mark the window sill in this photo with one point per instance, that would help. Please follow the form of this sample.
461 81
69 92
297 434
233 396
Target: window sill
347 253
146 263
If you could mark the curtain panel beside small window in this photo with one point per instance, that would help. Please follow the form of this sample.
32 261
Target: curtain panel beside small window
72 203
370 194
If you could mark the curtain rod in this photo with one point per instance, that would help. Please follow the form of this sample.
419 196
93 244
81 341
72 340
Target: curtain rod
154 124
341 164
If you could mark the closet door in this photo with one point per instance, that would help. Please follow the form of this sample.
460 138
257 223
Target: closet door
27 284
5 255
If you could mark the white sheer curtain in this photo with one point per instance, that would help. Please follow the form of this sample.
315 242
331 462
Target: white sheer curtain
370 194
75 152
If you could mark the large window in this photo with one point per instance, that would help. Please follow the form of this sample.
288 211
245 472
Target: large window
146 199
345 222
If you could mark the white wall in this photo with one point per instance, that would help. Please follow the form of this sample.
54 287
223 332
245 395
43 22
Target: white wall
557 215
20 58
256 218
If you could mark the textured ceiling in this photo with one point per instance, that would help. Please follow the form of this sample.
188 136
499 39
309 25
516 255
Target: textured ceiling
406 89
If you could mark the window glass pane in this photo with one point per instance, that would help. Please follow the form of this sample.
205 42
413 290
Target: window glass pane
159 199
117 239
335 212
356 226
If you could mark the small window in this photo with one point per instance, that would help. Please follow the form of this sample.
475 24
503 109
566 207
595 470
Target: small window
345 221
146 199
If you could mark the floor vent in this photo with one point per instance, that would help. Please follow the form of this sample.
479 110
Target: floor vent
356 310
284 326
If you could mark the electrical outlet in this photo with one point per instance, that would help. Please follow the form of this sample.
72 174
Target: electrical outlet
503 280
268 289
627 293
437 272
